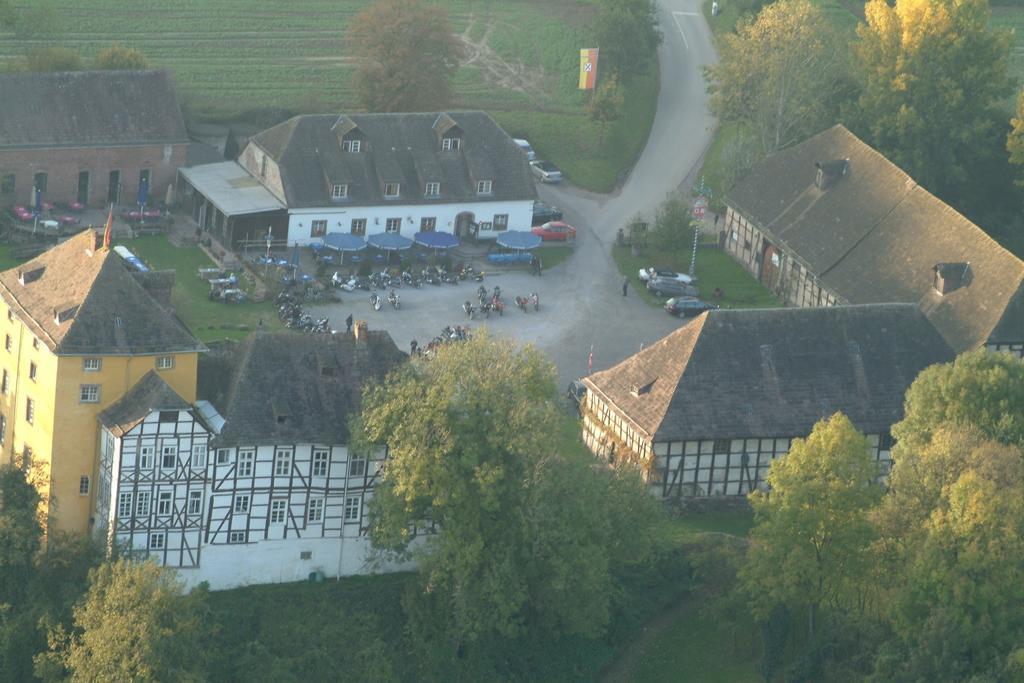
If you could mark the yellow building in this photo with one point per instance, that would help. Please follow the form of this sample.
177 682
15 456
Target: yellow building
79 330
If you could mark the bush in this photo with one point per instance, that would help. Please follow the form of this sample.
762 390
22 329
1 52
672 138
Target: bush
120 58
53 59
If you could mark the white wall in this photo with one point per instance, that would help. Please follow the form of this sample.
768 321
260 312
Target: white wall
339 218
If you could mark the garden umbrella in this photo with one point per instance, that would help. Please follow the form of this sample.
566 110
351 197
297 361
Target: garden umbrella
389 241
343 241
517 239
436 240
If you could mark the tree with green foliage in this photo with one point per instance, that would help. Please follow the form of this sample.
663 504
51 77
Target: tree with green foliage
980 389
20 531
120 58
627 36
809 545
1015 138
134 624
53 59
932 73
953 546
673 227
406 56
780 74
606 103
530 537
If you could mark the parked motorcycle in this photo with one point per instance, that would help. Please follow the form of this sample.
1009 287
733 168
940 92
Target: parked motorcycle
498 305
521 302
393 300
375 303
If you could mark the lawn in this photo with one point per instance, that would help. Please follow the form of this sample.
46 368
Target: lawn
685 527
715 268
521 65
551 256
208 320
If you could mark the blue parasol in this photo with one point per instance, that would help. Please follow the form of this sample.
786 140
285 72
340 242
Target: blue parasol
436 240
389 241
343 241
517 239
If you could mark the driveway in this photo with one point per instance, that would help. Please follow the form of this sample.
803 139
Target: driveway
581 299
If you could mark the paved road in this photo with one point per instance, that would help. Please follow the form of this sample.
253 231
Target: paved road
581 299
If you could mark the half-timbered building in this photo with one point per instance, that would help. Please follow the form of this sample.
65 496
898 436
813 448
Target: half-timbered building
830 221
254 482
706 409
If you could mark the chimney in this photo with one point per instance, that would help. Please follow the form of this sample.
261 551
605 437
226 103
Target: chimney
361 330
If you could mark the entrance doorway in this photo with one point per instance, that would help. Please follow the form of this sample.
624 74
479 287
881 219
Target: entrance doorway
114 188
465 225
771 262
83 188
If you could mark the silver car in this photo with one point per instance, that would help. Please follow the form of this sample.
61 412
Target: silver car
546 171
663 286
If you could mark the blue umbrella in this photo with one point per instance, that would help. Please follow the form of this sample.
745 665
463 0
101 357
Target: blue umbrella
436 240
343 241
517 239
389 241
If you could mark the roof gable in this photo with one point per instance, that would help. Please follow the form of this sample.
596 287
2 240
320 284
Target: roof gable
149 394
89 108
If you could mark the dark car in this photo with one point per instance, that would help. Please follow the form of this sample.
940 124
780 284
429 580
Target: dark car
663 286
687 306
576 393
543 213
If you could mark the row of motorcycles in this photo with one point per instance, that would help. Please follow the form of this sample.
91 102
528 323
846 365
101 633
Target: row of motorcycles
431 275
289 310
490 302
376 303
449 334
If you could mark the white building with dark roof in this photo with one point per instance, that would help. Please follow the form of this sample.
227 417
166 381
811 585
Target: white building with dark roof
456 172
254 482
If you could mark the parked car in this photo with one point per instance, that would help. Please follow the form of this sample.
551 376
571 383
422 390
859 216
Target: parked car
527 149
543 213
647 273
555 231
668 287
546 171
576 393
687 306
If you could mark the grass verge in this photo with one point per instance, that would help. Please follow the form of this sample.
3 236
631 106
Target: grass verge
715 269
684 528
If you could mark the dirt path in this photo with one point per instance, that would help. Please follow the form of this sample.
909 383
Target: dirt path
621 670
496 71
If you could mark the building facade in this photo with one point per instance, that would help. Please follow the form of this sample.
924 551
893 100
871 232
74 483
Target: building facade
706 409
79 331
830 221
89 136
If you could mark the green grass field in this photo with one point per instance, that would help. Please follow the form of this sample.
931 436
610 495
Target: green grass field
1013 18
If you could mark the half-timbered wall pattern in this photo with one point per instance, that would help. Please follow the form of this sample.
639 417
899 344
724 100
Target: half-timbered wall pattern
1016 349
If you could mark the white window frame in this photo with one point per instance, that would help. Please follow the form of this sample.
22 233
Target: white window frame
432 190
240 504
89 393
353 505
501 221
245 462
223 456
164 362
315 513
30 411
92 364
195 502
321 459
157 540
199 451
142 502
392 190
393 225
278 510
165 452
165 502
124 504
282 463
238 537
428 224
357 467
83 485
339 191
484 187
351 145
358 226
318 228
146 454
450 144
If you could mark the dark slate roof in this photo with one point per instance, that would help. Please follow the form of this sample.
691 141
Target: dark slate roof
150 394
285 387
774 372
402 148
82 300
874 235
89 109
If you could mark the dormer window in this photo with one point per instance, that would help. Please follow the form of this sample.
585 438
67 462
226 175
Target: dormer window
433 189
483 187
27 277
351 145
391 190
450 144
339 191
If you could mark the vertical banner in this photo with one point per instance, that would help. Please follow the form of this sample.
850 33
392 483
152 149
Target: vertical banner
588 68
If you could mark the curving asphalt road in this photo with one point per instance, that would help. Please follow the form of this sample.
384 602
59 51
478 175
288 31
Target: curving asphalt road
581 300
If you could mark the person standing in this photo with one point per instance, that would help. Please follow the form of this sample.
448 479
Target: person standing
625 285
348 324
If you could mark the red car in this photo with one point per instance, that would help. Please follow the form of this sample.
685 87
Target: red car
559 231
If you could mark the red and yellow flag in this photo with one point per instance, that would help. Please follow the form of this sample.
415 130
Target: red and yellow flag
108 229
588 68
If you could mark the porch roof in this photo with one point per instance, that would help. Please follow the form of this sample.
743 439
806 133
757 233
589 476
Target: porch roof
230 188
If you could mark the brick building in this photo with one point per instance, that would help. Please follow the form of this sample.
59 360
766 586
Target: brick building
89 136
